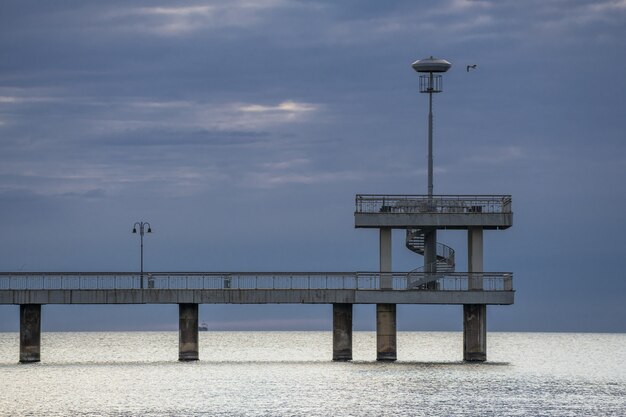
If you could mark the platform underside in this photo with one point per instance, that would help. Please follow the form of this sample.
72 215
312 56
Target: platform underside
435 220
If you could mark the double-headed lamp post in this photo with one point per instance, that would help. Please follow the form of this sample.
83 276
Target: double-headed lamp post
142 226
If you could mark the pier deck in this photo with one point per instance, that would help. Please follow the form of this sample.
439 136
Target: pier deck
255 288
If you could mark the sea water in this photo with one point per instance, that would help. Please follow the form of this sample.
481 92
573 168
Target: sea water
291 374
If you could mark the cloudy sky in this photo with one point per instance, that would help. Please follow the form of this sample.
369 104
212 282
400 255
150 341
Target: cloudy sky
242 131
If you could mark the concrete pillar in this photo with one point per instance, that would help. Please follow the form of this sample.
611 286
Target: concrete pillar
342 332
188 332
386 332
475 315
30 333
475 257
475 332
430 255
386 281
385 313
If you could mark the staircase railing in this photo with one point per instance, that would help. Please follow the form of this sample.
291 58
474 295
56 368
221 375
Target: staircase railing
445 262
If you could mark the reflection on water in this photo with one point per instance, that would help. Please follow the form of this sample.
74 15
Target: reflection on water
290 373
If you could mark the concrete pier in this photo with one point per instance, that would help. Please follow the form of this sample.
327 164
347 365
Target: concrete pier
342 332
475 332
475 315
188 332
30 333
386 332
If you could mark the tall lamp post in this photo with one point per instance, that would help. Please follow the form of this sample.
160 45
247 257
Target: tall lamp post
430 82
141 226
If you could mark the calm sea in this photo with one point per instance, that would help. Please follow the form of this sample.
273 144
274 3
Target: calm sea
290 374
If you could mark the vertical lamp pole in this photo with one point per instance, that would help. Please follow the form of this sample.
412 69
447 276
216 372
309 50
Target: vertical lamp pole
141 226
430 83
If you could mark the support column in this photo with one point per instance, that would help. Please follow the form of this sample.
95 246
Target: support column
342 332
475 315
188 332
385 258
475 257
386 332
385 313
475 332
30 333
430 255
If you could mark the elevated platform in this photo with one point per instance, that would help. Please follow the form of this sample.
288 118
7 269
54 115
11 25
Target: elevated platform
440 211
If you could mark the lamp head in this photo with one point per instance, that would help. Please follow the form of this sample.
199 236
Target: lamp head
149 229
134 230
431 64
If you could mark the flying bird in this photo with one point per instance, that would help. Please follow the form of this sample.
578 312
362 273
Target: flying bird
471 66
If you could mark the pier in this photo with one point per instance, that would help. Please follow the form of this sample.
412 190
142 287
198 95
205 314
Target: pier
419 217
474 290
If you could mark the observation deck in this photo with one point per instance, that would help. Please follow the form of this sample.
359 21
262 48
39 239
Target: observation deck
439 211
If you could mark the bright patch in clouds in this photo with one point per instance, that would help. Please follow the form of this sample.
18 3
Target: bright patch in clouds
285 106
176 21
179 11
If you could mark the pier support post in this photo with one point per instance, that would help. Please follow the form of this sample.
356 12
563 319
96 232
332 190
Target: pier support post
188 332
475 315
342 332
474 332
30 333
386 332
385 313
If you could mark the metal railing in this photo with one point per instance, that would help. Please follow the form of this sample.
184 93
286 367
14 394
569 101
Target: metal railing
413 281
396 203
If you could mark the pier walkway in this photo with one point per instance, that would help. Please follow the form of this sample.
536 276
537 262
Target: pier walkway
189 289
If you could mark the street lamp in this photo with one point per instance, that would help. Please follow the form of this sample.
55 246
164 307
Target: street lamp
142 226
430 84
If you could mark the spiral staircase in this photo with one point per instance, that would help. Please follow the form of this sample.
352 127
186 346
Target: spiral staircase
444 260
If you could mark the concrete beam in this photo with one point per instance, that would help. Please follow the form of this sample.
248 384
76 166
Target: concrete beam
435 220
188 332
342 332
386 332
232 296
30 333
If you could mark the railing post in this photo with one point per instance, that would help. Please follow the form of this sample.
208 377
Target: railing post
508 282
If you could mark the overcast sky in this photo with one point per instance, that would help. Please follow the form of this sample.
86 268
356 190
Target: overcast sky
242 131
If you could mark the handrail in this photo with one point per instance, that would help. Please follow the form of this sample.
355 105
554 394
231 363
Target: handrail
404 203
401 281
